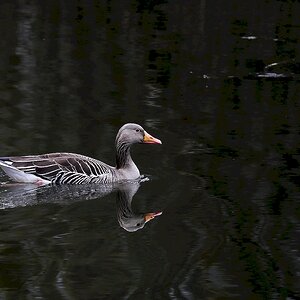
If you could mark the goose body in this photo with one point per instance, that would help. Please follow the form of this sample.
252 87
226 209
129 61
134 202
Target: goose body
71 168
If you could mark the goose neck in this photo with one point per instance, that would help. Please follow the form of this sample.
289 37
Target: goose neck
123 157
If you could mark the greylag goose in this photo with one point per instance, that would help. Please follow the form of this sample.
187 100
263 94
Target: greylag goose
129 220
70 168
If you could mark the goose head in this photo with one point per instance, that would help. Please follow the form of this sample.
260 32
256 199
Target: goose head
132 133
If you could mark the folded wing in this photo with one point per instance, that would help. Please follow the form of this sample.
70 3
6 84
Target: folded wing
61 168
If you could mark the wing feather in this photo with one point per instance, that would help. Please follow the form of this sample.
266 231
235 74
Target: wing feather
62 167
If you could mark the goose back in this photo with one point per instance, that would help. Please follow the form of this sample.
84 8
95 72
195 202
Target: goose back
63 168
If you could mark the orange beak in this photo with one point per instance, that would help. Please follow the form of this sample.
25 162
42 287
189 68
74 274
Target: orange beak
149 139
149 216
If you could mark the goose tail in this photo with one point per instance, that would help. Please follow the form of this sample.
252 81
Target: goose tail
20 176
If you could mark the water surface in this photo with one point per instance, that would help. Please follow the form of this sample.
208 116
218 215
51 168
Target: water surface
218 83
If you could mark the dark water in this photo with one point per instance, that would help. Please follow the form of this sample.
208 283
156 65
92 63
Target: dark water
218 83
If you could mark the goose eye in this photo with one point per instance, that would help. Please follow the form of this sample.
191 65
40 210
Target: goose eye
138 130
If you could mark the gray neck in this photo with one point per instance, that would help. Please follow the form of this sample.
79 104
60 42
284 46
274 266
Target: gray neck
123 157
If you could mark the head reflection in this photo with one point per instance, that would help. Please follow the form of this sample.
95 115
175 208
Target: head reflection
20 195
127 218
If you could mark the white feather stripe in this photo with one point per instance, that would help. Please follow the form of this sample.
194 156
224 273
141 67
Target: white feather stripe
32 170
28 159
26 167
81 167
48 174
20 176
88 166
98 169
51 164
5 164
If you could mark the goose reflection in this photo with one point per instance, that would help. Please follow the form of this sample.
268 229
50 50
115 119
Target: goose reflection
18 195
127 218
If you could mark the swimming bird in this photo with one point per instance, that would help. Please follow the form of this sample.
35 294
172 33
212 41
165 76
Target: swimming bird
71 168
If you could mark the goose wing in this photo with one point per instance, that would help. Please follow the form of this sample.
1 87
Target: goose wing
60 167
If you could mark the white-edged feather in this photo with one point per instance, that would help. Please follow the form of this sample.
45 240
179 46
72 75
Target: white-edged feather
20 176
72 168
